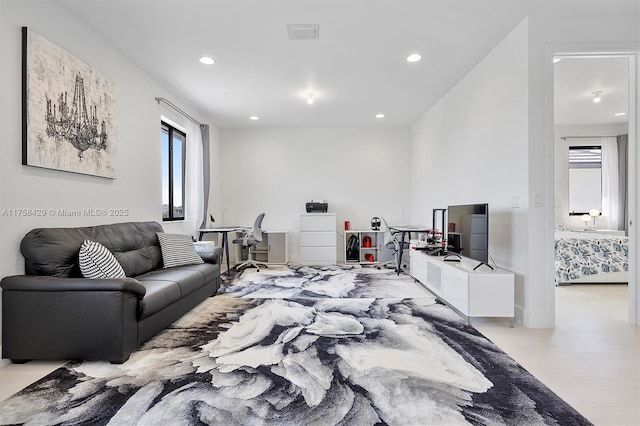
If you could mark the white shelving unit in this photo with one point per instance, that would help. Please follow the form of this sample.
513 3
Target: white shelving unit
318 239
472 293
373 253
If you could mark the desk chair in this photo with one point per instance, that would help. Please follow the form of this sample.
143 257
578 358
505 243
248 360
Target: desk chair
392 241
251 240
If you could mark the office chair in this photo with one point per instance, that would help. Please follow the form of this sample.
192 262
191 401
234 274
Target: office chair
251 239
391 241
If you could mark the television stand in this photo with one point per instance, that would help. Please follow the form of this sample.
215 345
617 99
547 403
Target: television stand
472 293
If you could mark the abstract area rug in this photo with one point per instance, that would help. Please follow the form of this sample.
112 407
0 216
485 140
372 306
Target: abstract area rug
303 346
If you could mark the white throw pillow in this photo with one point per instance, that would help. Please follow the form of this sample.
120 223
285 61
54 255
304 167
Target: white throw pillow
177 250
96 261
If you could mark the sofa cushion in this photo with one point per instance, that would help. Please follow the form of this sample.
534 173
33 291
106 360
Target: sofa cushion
159 295
177 250
98 262
54 251
210 272
187 280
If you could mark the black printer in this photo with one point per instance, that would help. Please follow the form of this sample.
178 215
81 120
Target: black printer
316 207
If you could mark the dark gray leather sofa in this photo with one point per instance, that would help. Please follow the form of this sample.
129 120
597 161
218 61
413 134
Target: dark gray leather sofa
52 312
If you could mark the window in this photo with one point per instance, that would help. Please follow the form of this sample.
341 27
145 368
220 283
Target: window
585 179
173 161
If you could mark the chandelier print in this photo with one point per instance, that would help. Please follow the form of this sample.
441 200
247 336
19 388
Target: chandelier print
70 111
73 123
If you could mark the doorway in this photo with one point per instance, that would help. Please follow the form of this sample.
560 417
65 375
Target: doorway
594 122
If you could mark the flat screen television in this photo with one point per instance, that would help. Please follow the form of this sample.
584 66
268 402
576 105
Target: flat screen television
468 231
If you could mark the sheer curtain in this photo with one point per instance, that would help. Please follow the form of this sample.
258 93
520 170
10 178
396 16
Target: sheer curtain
623 165
194 188
610 183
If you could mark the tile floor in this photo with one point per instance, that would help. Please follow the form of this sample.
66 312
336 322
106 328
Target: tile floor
591 359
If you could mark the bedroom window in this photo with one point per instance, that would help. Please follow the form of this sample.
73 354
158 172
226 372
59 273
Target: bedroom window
585 179
173 166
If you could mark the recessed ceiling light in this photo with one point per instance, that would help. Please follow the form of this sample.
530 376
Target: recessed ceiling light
310 99
556 60
414 57
254 117
207 60
596 96
620 114
379 115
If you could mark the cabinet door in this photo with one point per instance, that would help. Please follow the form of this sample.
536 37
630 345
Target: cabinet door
384 253
434 277
418 267
456 288
277 247
491 295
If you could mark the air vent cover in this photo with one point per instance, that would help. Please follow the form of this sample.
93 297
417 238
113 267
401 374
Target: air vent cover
303 31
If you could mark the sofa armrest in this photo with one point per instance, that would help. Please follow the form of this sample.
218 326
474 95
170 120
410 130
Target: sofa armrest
69 318
57 284
209 252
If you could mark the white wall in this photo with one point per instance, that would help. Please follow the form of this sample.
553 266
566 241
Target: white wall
527 171
561 161
471 148
610 26
360 172
137 186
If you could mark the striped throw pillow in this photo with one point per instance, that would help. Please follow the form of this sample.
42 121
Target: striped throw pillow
177 250
96 261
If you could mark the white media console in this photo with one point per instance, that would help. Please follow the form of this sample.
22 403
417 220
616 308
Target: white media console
472 293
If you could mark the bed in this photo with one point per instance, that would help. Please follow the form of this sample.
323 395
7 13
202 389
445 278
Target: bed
590 257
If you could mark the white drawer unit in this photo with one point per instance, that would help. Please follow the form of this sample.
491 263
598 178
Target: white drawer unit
318 239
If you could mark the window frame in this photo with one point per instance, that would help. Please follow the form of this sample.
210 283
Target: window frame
583 147
171 130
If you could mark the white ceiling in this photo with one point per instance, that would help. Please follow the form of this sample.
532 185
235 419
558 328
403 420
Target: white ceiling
357 68
575 80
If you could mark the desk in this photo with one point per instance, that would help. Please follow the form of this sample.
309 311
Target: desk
404 230
224 230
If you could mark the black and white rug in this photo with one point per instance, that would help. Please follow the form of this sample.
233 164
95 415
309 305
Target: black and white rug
303 346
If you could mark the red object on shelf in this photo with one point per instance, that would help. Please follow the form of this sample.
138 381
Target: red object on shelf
347 225
369 257
366 241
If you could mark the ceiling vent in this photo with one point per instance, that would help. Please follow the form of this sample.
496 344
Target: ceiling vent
303 31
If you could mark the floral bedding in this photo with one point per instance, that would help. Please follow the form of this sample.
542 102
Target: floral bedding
579 254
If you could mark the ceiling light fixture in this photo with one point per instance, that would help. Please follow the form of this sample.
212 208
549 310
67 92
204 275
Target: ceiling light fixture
414 57
207 60
310 99
254 117
379 115
620 114
596 96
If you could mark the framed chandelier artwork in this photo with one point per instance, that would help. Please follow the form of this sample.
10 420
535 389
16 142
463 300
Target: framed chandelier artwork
68 111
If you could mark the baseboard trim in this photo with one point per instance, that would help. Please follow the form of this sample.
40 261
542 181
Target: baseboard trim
519 315
3 361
